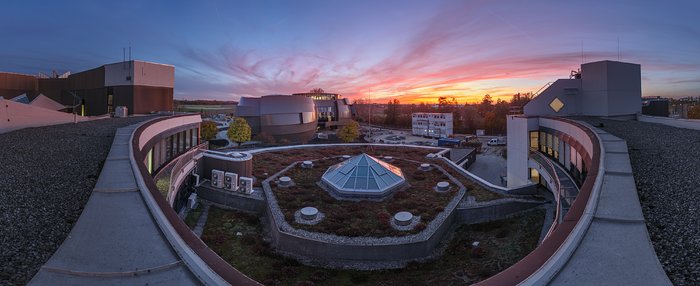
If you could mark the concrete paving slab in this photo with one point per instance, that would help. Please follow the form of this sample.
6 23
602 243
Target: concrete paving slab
489 167
118 151
115 233
608 137
122 138
613 253
616 147
618 163
175 276
116 175
125 131
618 198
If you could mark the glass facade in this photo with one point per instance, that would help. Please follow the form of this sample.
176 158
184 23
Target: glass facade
552 146
171 147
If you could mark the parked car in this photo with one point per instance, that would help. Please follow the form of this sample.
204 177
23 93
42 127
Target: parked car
497 142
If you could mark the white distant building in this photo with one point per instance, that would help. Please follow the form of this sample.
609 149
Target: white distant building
437 125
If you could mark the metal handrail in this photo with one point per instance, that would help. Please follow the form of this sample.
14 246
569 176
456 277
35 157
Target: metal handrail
545 86
178 168
539 158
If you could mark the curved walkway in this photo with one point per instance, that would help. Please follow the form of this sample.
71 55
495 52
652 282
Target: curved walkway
116 240
615 249
665 161
46 177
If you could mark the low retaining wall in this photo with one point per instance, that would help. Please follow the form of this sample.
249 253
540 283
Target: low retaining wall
327 248
493 210
233 200
680 123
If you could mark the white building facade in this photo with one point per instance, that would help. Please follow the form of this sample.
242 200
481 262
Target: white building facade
436 125
605 88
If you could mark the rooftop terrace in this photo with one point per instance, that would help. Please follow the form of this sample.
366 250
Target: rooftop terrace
665 161
46 176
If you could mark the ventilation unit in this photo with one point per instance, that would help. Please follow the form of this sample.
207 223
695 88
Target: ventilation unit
231 181
246 185
217 179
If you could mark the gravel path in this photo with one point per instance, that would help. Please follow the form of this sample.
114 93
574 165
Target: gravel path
46 177
665 161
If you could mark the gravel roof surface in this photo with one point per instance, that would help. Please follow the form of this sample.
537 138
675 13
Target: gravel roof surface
46 176
665 161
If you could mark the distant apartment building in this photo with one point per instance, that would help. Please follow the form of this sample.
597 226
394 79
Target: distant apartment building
142 87
436 125
331 109
655 106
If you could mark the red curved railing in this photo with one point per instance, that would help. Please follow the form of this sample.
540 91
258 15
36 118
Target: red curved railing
538 157
222 268
531 263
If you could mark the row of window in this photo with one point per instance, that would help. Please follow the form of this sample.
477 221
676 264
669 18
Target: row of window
426 123
171 147
423 115
562 153
287 118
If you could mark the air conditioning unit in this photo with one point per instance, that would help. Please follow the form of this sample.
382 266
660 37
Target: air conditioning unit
217 179
192 201
245 185
231 181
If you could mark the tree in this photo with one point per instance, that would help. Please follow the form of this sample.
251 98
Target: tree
239 131
317 90
208 130
349 132
392 112
694 112
485 106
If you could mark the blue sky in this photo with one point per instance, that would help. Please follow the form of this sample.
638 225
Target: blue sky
414 50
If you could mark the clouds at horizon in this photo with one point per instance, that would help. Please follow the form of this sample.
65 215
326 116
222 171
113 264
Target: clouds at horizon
413 50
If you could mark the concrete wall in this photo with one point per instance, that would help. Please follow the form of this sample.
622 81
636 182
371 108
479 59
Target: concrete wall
680 123
611 88
518 149
567 90
14 115
233 200
493 210
403 248
606 88
141 73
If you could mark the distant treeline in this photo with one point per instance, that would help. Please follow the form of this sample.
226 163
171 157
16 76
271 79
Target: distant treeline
205 102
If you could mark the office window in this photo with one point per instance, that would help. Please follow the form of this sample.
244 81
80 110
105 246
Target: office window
534 142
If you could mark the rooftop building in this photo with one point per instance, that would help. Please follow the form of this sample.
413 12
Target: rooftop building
142 87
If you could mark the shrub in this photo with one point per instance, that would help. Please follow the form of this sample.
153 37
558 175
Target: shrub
271 282
358 277
319 276
248 239
208 130
290 271
479 252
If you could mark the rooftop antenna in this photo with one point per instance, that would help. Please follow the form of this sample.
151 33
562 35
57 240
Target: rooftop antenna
369 111
618 49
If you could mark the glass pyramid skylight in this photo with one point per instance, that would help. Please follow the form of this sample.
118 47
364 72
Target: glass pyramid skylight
363 176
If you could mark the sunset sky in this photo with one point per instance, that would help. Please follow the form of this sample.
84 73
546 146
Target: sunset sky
413 50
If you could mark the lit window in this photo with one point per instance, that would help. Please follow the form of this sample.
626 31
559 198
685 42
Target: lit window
556 104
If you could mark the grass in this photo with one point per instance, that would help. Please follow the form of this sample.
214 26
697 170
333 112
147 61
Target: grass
163 185
269 163
193 216
365 218
503 243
